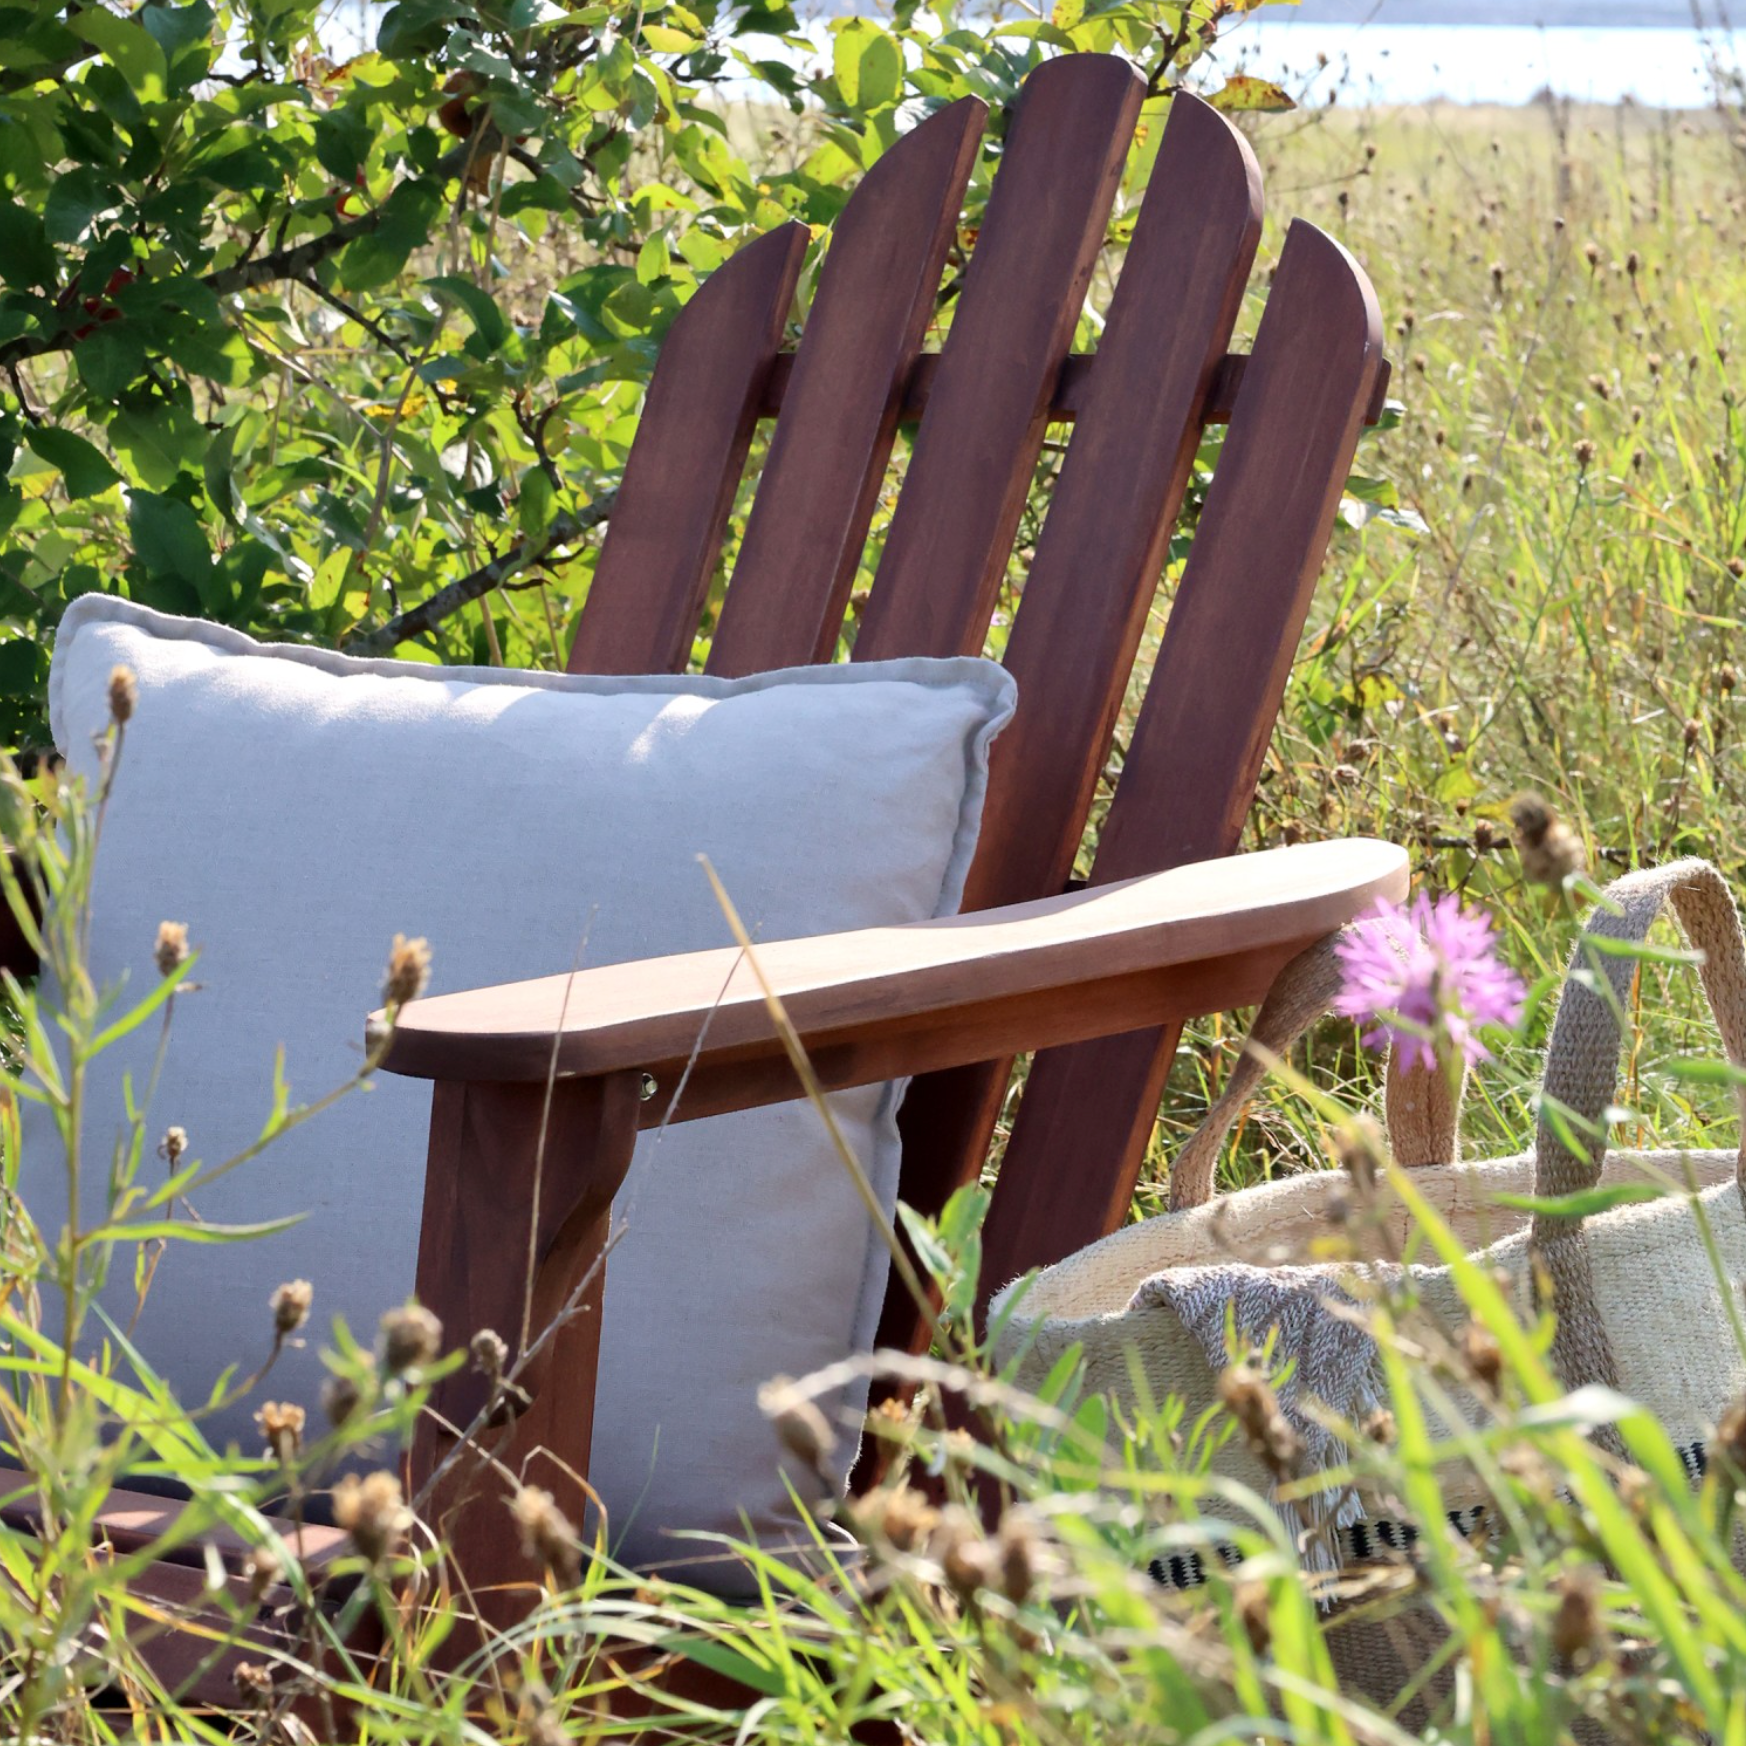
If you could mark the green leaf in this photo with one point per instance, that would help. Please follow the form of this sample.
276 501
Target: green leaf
190 1231
868 65
1586 1202
489 324
134 51
25 255
82 466
1242 92
75 199
168 538
668 42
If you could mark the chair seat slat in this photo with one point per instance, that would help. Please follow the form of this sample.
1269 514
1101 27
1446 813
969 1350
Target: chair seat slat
842 395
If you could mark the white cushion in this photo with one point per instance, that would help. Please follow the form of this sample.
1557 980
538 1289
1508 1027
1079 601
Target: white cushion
297 808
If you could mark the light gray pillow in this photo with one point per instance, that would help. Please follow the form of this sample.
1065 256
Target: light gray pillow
297 808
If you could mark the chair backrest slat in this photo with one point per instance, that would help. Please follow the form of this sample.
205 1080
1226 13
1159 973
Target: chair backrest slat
1138 420
952 530
664 539
842 400
1203 729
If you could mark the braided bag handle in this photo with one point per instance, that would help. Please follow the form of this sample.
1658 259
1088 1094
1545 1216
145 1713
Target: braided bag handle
1582 1070
1422 1108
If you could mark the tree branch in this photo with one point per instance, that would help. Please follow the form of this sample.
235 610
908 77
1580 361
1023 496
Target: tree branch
446 602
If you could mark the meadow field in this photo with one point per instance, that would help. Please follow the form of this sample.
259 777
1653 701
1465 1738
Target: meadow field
1562 290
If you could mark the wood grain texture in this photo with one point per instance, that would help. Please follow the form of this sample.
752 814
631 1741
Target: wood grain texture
1094 579
875 298
664 539
951 533
1203 729
619 1018
512 1176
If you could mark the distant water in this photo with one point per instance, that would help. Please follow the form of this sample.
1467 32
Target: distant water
1484 62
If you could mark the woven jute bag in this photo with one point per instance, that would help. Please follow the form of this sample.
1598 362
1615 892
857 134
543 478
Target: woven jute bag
1638 1302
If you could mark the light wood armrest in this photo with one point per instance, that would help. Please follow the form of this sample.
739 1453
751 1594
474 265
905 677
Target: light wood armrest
882 1002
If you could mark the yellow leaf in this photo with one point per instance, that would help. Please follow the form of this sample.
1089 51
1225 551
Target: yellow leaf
666 41
1067 13
1240 92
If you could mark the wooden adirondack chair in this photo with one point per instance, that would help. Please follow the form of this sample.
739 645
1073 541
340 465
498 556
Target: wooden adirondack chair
1098 979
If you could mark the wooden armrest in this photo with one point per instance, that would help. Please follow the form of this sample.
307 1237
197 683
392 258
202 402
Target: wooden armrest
882 1002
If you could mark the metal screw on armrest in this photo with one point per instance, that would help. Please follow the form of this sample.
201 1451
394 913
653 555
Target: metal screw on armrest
649 1087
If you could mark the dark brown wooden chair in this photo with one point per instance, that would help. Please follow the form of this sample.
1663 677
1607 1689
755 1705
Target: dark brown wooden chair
1099 980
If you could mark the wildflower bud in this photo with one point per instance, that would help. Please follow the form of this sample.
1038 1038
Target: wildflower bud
1637 460
171 950
408 971
123 695
547 1535
281 1423
1497 276
901 1515
339 1399
1727 678
1421 363
262 1568
800 1427
1654 363
1591 253
1599 385
1693 731
1576 1625
1253 1404
373 1512
1439 436
173 1145
291 1306
1255 1616
1369 151
966 1559
1584 452
1737 568
1484 835
408 1337
1632 264
1480 1353
254 1683
489 1353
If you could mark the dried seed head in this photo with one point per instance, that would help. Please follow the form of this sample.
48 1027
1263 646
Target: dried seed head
1693 732
1481 1355
902 1515
291 1306
1633 263
1252 1403
173 1145
1576 1626
1497 275
547 1534
1254 1614
967 1561
123 695
489 1353
1727 678
254 1683
1020 1550
262 1569
1729 1444
1379 1427
1584 452
1484 834
408 1337
339 1399
408 971
373 1512
1737 568
281 1423
800 1427
1550 851
1592 254
171 950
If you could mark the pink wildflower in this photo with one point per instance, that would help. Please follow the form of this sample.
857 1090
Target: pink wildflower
1429 974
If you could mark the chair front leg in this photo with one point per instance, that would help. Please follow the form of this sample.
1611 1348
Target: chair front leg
517 1208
